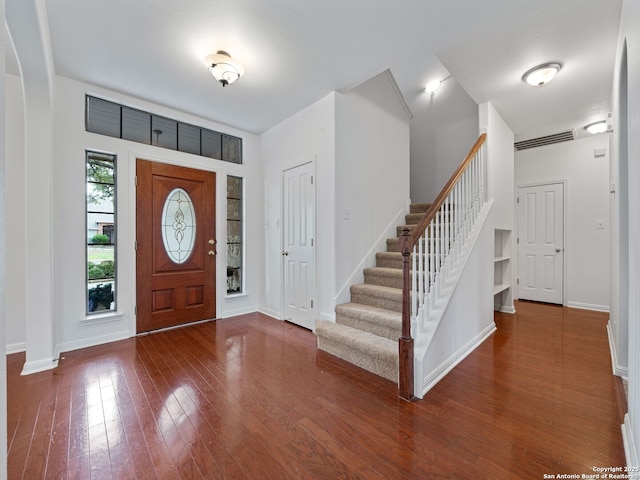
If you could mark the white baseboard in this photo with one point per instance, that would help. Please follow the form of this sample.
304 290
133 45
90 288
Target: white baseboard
507 309
438 374
40 366
16 347
618 369
93 341
239 311
270 313
630 452
589 306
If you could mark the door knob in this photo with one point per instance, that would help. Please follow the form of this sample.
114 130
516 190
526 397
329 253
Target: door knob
558 250
285 253
211 253
211 241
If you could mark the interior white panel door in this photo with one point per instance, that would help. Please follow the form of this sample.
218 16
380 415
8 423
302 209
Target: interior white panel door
298 246
541 242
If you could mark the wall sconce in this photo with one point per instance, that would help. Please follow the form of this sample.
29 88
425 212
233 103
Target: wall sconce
224 68
542 74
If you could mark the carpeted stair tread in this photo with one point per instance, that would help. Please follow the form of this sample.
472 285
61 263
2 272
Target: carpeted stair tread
387 277
377 296
377 321
367 329
373 353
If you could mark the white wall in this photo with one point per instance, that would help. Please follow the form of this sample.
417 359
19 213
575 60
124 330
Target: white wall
500 165
630 33
442 133
372 175
15 216
587 201
308 135
619 210
500 184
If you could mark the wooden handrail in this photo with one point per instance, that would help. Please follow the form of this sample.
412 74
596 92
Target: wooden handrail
406 243
437 203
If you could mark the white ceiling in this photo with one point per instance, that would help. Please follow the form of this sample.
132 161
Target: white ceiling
297 51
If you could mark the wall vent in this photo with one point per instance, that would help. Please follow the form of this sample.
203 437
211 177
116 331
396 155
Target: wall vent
548 140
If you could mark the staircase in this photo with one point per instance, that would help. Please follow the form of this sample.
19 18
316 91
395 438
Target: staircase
367 329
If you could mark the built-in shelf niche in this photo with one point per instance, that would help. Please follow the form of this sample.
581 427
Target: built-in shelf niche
502 291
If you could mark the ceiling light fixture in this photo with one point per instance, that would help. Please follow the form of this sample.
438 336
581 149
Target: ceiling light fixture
542 74
432 87
596 127
224 68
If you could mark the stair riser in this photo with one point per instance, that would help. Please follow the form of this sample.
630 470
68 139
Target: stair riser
385 281
369 326
389 262
419 208
377 365
393 304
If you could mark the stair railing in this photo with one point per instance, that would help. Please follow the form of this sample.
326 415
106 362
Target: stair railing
434 244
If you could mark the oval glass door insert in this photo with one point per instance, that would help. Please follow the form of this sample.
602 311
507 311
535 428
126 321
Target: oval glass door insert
178 225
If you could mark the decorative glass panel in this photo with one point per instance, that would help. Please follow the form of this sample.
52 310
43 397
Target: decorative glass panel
234 234
178 225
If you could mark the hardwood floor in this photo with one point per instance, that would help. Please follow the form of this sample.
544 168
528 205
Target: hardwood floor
251 397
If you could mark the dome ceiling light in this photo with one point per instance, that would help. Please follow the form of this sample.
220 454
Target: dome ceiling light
224 68
542 74
597 127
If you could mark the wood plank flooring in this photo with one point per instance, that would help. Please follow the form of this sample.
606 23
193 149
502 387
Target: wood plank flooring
251 398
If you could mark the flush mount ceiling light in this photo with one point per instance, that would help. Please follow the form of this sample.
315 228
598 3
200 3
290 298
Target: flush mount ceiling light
596 127
542 74
432 87
224 68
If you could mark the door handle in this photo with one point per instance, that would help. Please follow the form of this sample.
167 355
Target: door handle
558 250
285 253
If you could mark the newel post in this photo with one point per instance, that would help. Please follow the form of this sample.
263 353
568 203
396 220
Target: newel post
405 344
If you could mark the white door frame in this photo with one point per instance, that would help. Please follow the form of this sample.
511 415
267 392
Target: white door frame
564 228
312 161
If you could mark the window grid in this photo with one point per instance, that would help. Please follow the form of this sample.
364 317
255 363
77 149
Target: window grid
112 119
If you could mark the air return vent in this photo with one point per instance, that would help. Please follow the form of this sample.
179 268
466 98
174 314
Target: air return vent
548 140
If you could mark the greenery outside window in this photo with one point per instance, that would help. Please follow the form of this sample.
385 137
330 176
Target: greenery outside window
235 234
101 232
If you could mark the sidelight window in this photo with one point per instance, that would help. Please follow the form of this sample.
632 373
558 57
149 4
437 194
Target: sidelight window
235 234
101 232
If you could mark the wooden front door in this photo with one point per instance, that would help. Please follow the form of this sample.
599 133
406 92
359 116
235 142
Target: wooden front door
176 245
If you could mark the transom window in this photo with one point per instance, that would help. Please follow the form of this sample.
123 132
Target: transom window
115 120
